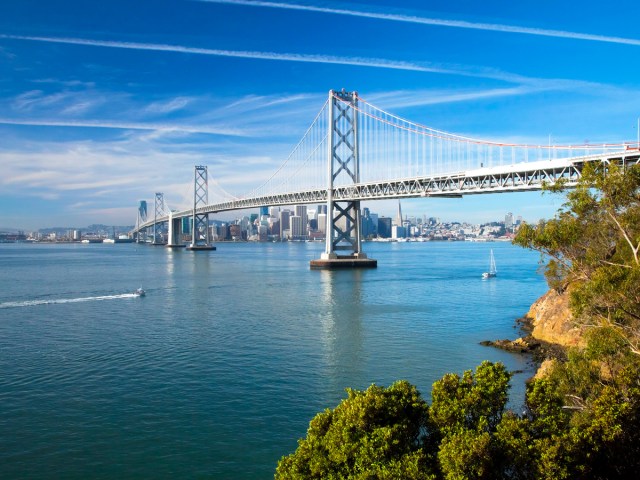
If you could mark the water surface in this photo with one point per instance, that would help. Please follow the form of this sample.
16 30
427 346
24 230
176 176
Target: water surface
218 370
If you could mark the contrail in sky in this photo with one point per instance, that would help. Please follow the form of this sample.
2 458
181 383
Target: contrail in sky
122 126
291 57
493 27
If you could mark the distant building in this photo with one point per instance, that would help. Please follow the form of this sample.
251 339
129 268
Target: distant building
508 222
186 225
322 222
274 227
384 227
285 223
142 210
298 231
223 232
301 211
367 224
399 216
235 231
398 232
263 233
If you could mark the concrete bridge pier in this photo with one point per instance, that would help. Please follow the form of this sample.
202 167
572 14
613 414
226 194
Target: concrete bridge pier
174 233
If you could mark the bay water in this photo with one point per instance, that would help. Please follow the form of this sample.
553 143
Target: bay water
216 372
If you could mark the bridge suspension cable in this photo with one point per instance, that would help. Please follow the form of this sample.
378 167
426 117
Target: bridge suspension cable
304 168
394 148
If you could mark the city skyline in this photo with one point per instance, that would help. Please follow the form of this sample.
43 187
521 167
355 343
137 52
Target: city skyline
102 105
283 214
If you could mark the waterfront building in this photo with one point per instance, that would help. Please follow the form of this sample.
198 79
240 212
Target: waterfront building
263 233
297 227
223 232
374 223
274 227
322 222
285 224
398 232
367 224
384 227
301 211
236 232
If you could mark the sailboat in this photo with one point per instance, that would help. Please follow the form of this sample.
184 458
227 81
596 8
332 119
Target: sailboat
492 268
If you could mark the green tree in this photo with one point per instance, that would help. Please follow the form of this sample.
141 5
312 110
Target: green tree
594 247
376 433
464 415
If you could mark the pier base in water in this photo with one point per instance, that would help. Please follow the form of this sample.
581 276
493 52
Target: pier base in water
201 248
335 262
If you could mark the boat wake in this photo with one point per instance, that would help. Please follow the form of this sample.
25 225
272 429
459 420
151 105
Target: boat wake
33 303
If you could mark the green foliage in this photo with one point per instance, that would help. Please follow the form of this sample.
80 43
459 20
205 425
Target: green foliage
593 245
466 455
471 402
371 434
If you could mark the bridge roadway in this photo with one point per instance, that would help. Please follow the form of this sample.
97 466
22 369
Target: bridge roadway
516 177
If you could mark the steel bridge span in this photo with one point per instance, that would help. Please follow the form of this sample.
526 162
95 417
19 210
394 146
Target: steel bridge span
354 152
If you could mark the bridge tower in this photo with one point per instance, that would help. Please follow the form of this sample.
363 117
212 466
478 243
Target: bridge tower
200 227
159 211
343 217
141 218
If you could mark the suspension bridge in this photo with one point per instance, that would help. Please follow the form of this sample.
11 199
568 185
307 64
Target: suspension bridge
354 152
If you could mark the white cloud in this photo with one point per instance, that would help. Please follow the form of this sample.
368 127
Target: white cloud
492 27
168 106
468 71
125 126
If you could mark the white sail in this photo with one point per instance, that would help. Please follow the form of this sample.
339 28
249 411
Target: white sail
492 267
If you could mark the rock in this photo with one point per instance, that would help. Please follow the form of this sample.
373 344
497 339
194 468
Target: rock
551 320
519 345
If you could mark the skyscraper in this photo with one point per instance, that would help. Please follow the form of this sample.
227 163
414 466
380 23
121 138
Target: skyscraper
297 227
508 222
301 211
384 227
285 224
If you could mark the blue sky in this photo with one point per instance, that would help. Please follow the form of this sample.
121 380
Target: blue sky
104 103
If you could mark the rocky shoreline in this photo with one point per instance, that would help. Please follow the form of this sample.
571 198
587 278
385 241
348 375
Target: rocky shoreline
548 330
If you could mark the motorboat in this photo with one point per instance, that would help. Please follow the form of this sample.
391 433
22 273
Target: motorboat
139 292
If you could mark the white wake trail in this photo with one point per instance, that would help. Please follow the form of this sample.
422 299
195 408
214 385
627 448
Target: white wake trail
33 303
